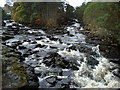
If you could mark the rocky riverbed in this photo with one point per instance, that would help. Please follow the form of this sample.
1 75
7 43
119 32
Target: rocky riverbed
56 58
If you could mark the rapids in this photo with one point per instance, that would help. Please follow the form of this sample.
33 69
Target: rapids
64 60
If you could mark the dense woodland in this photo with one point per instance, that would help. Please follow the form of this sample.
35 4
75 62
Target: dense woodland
102 19
49 14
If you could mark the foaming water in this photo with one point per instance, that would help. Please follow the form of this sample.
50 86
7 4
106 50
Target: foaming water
100 77
71 54
36 31
96 49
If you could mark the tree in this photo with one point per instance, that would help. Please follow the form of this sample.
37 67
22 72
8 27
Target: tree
105 18
41 14
69 11
4 15
79 12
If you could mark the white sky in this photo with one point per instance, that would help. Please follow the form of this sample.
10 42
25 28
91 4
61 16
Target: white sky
75 2
71 2
2 2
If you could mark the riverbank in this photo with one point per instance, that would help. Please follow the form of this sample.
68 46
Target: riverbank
108 48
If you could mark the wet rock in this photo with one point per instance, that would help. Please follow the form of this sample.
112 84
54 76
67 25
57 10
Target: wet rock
15 44
41 53
25 55
54 31
52 47
71 35
60 41
85 49
107 46
52 55
116 72
44 28
51 80
15 24
21 47
66 73
60 28
64 86
26 40
3 23
56 71
6 37
73 47
33 42
110 51
13 72
42 71
9 27
10 53
31 77
39 38
39 45
52 38
93 39
92 61
55 60
64 82
34 52
13 80
117 61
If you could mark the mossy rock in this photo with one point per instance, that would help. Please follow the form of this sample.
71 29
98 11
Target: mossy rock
14 73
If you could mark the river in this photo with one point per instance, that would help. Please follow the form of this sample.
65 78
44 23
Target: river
63 58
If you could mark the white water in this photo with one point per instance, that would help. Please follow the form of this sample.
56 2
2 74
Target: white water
101 75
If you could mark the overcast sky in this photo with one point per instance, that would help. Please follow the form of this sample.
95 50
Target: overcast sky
75 2
2 2
71 2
